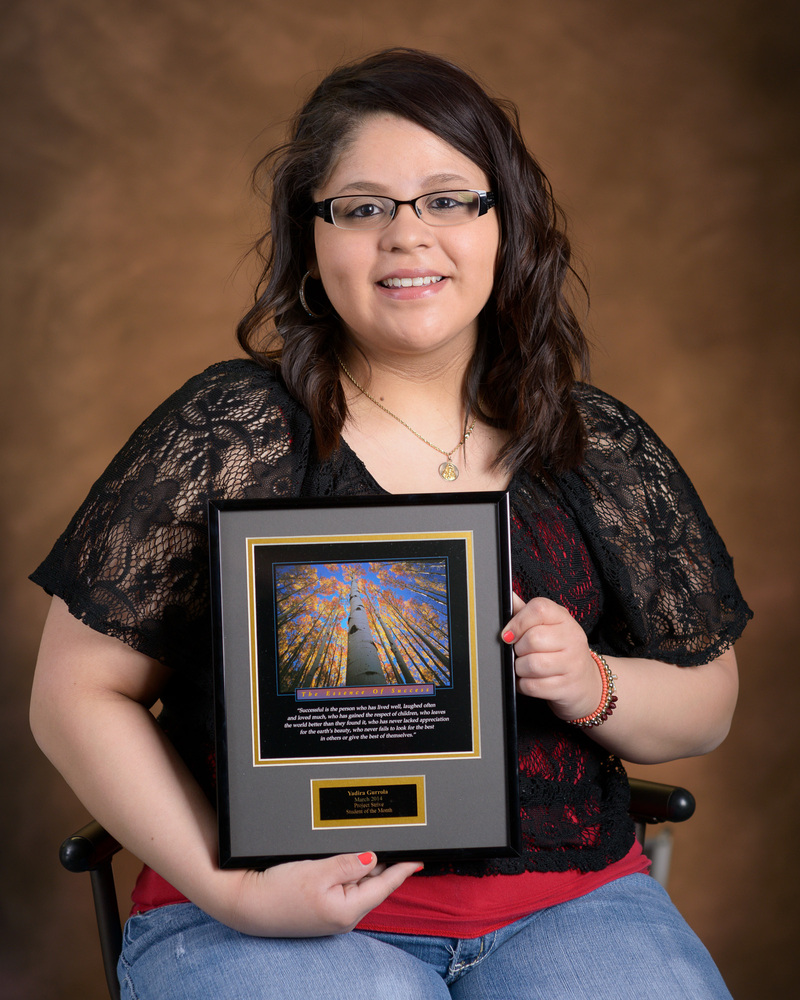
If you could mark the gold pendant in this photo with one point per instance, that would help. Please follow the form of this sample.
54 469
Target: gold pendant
448 471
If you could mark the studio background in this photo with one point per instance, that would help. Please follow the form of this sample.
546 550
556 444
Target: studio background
670 134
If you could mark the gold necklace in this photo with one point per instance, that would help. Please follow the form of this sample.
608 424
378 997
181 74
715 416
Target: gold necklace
447 470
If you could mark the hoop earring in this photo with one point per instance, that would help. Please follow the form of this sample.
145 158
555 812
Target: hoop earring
304 301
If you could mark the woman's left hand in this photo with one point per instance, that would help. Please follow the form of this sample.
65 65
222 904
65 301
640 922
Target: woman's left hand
553 661
666 712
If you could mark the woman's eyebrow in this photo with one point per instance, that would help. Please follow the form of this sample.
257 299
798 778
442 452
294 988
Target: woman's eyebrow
432 182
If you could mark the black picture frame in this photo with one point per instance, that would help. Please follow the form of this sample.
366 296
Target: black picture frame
364 697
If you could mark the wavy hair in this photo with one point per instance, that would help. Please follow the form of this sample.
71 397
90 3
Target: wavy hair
530 345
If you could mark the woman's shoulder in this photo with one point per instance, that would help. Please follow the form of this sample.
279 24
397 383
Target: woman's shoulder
224 379
230 397
604 415
221 431
618 434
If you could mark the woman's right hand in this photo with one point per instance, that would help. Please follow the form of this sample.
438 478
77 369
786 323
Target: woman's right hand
313 898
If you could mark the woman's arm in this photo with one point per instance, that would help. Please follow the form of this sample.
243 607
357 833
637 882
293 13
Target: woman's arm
664 712
90 715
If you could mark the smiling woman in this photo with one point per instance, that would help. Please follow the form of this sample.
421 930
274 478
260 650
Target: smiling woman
412 305
396 108
409 293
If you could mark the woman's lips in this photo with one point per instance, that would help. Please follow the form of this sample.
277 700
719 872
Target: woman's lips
416 282
407 287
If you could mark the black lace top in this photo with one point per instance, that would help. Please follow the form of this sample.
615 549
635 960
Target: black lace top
623 543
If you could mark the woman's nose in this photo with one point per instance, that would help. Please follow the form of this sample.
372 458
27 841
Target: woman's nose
406 230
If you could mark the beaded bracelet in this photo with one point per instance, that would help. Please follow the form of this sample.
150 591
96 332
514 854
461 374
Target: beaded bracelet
608 699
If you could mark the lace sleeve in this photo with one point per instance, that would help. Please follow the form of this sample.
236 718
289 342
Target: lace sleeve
133 562
670 592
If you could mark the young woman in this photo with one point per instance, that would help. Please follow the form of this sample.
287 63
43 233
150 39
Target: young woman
411 334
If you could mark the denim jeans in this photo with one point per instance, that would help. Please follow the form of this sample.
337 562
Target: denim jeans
623 941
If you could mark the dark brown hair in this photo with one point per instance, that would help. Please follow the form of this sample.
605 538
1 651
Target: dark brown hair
530 344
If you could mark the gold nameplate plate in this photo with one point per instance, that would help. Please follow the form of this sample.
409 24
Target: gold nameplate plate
395 801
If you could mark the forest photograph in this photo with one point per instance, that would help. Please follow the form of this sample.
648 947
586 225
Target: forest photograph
353 623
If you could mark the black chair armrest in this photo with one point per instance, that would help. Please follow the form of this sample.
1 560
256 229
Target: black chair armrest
88 848
652 802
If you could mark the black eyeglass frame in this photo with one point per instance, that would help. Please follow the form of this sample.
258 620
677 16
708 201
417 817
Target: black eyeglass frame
486 200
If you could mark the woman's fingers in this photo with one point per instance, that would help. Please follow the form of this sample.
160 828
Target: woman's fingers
315 898
539 611
552 659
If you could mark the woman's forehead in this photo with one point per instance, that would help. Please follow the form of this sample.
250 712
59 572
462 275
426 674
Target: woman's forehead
383 150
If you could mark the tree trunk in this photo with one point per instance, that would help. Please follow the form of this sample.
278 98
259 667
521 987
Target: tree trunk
363 663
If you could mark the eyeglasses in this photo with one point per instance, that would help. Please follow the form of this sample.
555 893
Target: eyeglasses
439 208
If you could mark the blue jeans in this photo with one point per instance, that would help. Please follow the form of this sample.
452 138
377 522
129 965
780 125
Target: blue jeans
623 941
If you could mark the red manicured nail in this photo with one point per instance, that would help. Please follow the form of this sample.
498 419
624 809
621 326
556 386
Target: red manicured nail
366 858
508 636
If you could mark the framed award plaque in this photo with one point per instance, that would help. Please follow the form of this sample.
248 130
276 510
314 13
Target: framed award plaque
364 697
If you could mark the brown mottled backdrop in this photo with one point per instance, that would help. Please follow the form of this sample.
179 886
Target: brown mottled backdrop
670 133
